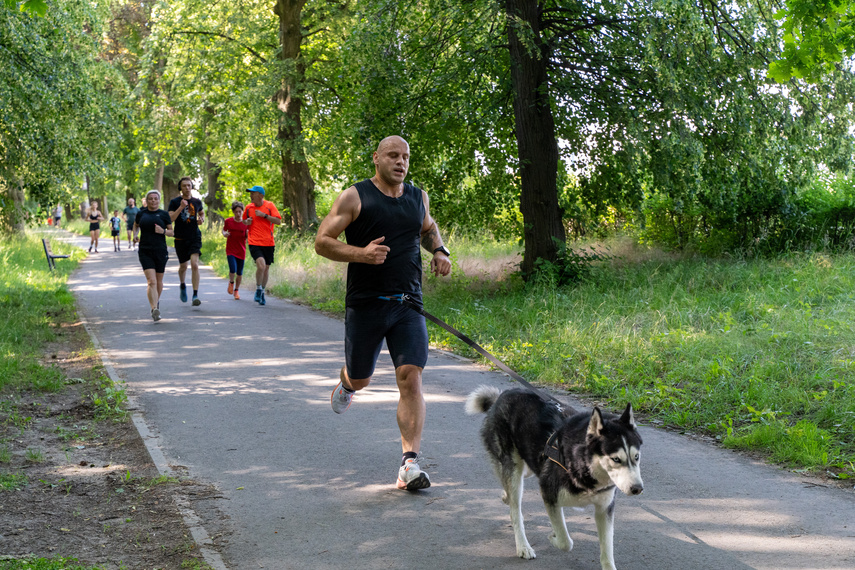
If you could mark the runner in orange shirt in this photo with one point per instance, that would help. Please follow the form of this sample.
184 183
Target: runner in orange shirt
261 215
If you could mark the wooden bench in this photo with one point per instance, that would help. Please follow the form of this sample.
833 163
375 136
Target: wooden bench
51 255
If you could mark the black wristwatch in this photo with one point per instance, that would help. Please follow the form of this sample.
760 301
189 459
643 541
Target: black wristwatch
443 249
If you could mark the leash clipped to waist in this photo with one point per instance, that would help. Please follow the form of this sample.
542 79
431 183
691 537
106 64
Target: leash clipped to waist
407 301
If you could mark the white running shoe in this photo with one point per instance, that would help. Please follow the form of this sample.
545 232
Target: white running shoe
155 314
340 398
411 477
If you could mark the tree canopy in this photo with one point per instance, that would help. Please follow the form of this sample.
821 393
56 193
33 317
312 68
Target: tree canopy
60 110
818 36
533 119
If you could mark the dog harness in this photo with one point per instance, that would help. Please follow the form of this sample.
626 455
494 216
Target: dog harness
552 452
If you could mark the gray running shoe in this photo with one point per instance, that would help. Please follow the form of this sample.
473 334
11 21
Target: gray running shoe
155 314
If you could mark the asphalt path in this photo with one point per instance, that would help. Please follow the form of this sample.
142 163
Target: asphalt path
237 395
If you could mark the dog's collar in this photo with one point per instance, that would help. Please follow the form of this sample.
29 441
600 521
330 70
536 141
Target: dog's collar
552 452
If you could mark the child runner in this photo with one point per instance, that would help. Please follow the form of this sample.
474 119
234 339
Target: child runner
235 232
115 226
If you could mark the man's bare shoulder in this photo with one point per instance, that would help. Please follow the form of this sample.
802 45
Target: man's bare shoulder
349 199
345 209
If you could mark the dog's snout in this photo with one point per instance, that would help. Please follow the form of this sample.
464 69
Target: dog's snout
636 489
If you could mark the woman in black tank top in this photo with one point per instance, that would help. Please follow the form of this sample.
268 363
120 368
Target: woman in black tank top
95 218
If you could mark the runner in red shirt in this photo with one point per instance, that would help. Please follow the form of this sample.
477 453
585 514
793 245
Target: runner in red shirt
260 217
235 231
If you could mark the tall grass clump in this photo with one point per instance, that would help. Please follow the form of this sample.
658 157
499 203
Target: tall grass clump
31 299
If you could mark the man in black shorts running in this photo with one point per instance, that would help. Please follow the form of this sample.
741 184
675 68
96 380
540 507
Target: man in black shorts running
130 212
261 217
384 221
186 214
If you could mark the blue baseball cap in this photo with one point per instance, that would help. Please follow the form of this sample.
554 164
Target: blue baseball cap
258 189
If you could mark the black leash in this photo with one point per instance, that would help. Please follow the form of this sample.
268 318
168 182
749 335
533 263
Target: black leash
407 300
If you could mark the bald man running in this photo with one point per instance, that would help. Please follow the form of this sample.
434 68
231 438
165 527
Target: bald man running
385 220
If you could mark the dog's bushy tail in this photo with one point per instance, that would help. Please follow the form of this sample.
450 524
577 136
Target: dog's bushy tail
481 399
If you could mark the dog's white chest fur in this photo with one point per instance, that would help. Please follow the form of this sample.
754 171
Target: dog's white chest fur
602 498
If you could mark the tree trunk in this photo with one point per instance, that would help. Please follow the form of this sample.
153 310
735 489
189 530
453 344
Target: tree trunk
158 175
214 198
170 175
543 231
170 190
14 219
297 184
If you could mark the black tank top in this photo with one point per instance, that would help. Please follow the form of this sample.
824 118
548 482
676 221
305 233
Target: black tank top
400 221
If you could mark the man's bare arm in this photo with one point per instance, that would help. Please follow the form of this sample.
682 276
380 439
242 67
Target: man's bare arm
430 237
431 240
345 209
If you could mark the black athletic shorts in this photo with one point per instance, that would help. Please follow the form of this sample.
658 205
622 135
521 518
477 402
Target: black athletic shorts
153 259
94 226
365 327
114 233
265 251
184 248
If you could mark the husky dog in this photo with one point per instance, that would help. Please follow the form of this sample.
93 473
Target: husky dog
579 459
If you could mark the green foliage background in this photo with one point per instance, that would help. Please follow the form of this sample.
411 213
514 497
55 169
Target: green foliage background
667 121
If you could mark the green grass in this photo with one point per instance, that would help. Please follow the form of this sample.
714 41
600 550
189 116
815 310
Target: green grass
726 347
32 298
43 564
161 480
35 455
12 481
758 353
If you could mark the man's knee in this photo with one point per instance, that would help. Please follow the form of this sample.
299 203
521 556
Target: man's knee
359 384
409 379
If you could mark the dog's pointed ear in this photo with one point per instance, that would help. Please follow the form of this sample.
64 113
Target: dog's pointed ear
628 417
595 427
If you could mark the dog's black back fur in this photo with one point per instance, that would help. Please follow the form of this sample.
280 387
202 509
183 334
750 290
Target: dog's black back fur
521 422
514 413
